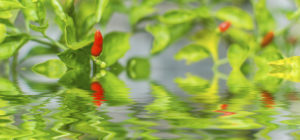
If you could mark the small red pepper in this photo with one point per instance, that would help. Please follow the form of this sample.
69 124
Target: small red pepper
267 39
98 44
267 99
224 26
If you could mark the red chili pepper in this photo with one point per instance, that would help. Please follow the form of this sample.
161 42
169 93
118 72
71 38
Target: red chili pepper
95 86
98 44
224 26
267 39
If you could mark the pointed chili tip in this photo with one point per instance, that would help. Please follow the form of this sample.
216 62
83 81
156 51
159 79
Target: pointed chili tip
224 26
98 38
268 38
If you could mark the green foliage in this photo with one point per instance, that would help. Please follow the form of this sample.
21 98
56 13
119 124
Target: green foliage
115 46
236 16
2 32
287 68
11 45
177 17
264 18
161 37
192 53
53 68
237 55
10 5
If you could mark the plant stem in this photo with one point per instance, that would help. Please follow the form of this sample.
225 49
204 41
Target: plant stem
55 42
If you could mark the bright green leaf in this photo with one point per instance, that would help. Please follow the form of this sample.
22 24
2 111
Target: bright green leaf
70 32
5 14
101 6
208 39
39 50
29 10
287 68
178 31
236 16
9 5
177 16
139 12
2 32
267 55
237 55
12 44
115 46
41 29
53 68
7 87
79 78
161 37
192 53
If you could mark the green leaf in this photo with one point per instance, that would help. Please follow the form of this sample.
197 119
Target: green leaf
264 18
161 37
177 17
5 14
78 59
2 32
70 32
101 6
178 31
192 53
53 68
236 16
12 44
116 91
287 68
29 10
208 39
41 29
138 68
239 36
137 13
115 46
203 12
151 2
58 10
9 5
237 55
237 83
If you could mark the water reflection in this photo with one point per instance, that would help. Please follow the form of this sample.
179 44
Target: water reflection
82 107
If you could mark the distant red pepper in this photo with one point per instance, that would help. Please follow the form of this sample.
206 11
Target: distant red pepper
224 26
98 44
267 39
267 99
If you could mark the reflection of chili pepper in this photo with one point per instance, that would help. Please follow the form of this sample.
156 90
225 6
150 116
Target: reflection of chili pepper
98 44
225 113
224 26
267 99
267 39
99 93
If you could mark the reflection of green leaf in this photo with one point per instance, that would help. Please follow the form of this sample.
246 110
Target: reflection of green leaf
53 68
78 59
263 17
2 32
287 68
9 5
115 46
266 82
209 40
237 83
7 87
76 78
192 84
192 53
11 45
116 91
177 17
39 50
237 55
138 68
236 16
161 37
